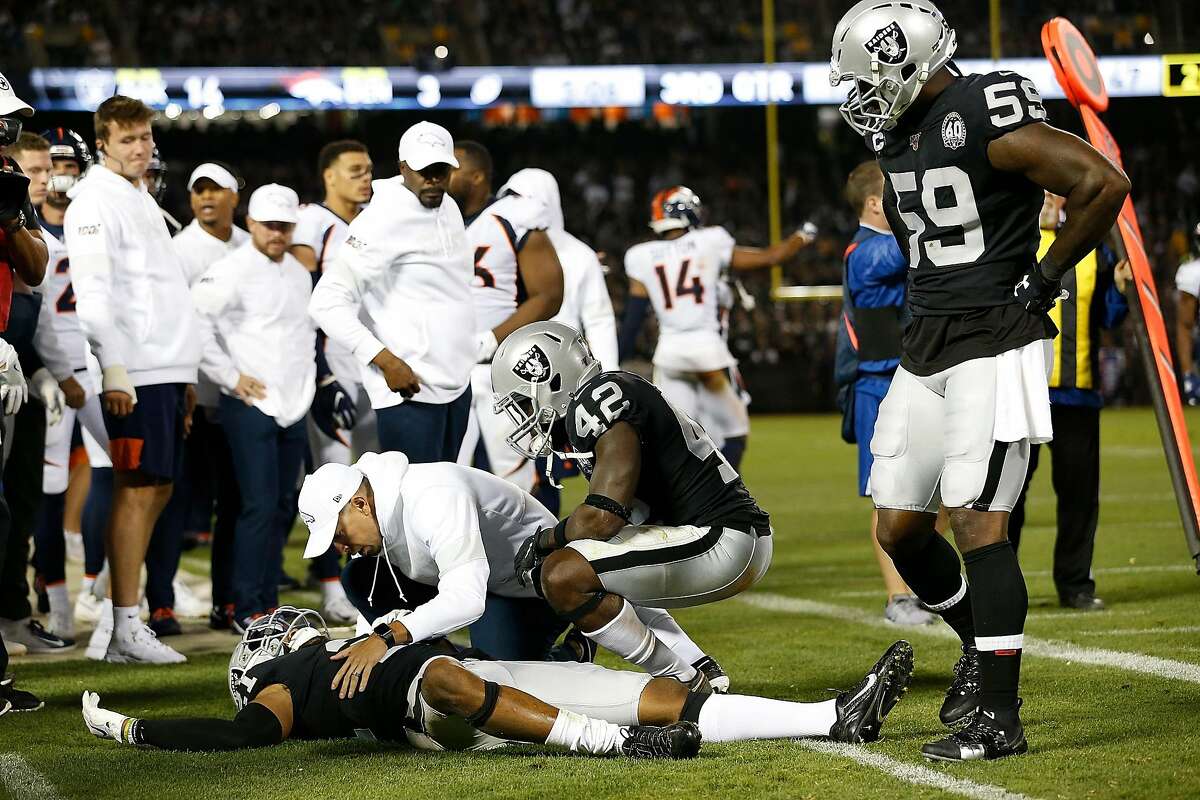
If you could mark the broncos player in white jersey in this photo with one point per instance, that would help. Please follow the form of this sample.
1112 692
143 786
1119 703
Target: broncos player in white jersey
679 273
518 280
346 169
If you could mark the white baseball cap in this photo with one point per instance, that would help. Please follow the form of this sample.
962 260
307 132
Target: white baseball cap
215 173
10 103
274 203
426 143
322 498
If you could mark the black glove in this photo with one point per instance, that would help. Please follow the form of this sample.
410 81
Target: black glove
332 408
14 194
1035 293
529 557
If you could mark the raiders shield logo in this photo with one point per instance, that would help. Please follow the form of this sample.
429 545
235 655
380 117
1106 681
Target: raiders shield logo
534 366
889 43
954 131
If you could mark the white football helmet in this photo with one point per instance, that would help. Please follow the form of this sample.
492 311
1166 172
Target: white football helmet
535 373
889 49
284 631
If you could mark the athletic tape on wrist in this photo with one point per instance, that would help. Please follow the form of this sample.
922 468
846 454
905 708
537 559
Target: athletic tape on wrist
560 534
491 694
607 504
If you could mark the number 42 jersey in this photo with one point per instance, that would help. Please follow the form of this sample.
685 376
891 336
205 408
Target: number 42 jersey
969 229
684 479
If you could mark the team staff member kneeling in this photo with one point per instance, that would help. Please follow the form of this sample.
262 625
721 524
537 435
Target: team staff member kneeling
437 697
706 538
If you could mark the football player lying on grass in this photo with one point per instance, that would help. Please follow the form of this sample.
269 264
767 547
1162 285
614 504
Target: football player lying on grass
437 696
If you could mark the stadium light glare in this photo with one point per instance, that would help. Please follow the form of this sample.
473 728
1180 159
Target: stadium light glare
269 110
441 51
172 111
212 112
1148 38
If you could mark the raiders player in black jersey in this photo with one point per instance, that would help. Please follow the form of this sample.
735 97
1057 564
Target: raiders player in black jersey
439 697
965 160
703 538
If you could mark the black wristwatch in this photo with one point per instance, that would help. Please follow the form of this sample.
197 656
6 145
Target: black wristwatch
384 631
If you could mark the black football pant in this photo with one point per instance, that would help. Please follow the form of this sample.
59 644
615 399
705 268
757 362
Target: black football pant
1075 473
23 492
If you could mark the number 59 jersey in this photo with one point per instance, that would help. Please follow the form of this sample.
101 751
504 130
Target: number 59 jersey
684 479
969 229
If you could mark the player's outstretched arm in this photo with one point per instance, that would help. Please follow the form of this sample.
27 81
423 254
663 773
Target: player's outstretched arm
1065 165
542 275
265 721
760 257
618 466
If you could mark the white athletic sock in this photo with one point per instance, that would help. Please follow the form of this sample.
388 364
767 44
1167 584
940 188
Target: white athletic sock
125 621
581 734
332 590
87 584
669 633
60 599
628 637
738 717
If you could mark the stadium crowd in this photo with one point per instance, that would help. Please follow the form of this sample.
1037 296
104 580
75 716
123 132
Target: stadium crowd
385 32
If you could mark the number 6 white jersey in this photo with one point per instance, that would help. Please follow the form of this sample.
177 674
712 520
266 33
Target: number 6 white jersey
681 275
496 235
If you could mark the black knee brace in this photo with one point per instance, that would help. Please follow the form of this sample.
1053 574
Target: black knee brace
491 693
585 608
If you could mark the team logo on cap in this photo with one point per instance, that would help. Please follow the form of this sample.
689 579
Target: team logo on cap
889 44
309 519
431 139
533 366
954 131
337 498
4 87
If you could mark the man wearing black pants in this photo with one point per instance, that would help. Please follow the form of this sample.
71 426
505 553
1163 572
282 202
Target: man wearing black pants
1096 288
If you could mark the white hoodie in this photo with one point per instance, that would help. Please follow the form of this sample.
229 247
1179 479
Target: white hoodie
402 281
132 298
453 527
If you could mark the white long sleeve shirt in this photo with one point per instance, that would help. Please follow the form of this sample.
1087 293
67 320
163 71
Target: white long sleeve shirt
132 298
586 305
402 282
255 317
198 250
453 527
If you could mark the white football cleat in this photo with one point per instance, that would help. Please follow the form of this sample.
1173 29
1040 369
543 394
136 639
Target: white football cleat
187 604
142 647
87 608
102 723
339 610
98 644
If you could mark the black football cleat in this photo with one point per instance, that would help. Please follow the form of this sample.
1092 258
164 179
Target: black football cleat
860 711
962 698
989 736
677 740
718 679
579 644
12 699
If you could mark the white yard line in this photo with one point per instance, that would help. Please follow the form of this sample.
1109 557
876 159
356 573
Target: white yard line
22 781
1044 648
1139 631
912 773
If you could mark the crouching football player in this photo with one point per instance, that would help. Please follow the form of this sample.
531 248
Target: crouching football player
436 697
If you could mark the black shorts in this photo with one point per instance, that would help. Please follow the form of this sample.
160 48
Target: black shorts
150 439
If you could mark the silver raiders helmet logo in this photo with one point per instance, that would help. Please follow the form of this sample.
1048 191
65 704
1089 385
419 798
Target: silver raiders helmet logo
533 366
889 43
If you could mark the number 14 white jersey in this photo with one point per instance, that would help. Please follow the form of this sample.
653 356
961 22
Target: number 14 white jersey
681 276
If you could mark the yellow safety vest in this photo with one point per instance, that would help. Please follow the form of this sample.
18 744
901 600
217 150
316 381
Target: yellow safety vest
1073 347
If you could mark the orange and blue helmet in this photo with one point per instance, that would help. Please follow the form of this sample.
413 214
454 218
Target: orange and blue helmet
675 208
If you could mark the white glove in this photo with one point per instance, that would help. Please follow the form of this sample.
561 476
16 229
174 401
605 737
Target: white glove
809 231
43 386
390 617
486 344
116 379
106 724
13 390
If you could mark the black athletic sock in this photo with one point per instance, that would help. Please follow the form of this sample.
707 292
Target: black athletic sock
1001 602
932 570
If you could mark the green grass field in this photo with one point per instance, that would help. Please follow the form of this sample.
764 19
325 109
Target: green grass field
1103 720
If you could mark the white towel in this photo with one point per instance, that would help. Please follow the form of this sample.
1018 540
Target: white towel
1023 393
